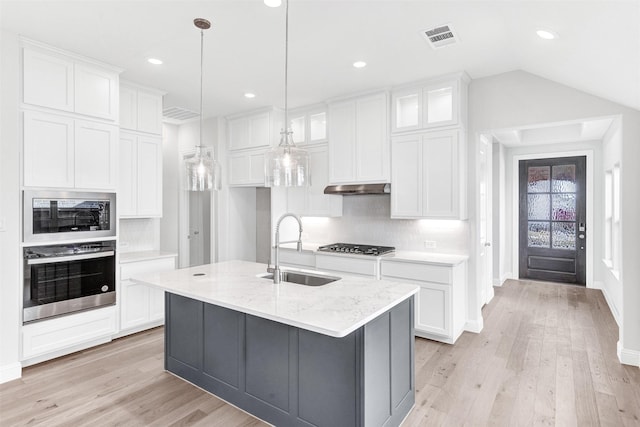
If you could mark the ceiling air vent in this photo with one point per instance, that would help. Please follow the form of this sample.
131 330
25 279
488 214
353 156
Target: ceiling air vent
178 115
440 36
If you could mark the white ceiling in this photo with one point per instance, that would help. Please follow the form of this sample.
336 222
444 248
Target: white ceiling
598 50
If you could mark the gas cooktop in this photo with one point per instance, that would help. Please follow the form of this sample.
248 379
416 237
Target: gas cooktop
357 249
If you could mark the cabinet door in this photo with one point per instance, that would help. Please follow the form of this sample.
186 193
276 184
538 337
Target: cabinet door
135 305
440 105
96 91
47 81
96 154
317 127
256 169
372 142
127 194
298 125
149 112
128 108
48 150
318 203
406 177
259 130
406 109
246 169
433 309
149 176
238 133
342 142
440 174
156 304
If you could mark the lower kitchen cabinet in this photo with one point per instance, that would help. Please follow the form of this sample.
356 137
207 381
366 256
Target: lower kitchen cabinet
355 265
141 306
62 335
440 304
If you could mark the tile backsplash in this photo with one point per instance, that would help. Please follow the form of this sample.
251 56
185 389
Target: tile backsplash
139 234
367 219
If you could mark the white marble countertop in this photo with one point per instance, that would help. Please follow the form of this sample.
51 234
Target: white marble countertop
126 257
335 309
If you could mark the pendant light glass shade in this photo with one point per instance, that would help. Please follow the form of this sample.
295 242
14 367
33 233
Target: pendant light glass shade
286 165
203 171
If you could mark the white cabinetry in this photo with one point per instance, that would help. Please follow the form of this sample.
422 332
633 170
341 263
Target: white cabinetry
140 177
63 335
249 137
140 109
357 265
61 151
53 79
428 175
358 140
311 200
436 103
309 125
141 306
440 304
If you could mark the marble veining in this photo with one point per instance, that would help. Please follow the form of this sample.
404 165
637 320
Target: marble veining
335 309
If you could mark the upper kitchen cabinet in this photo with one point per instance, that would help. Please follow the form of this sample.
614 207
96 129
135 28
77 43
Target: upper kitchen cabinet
358 140
63 81
309 125
140 109
140 176
432 104
63 152
258 129
428 175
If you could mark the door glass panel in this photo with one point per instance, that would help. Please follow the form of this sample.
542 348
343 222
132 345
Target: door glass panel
538 235
539 206
318 126
564 207
297 126
564 235
538 179
440 105
564 179
407 111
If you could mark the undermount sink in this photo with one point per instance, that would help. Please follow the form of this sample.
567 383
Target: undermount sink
307 279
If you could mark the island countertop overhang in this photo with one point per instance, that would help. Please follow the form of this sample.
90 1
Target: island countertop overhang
336 309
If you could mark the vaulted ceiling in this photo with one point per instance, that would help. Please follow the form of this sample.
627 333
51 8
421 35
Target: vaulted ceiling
598 49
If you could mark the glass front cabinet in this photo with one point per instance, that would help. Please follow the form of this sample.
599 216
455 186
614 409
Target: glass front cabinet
432 104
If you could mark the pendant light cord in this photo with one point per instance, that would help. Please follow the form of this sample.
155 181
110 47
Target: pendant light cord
286 64
201 85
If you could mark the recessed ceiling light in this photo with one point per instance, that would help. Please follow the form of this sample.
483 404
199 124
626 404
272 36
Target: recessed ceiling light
154 61
359 64
273 3
249 95
547 34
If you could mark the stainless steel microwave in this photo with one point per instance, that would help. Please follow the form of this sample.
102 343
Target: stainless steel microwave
51 216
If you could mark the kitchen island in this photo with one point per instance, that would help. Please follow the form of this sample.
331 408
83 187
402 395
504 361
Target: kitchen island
340 354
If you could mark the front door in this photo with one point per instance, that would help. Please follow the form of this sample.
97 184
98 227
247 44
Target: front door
553 219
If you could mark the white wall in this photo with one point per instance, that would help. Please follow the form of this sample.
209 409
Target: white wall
170 189
517 99
10 255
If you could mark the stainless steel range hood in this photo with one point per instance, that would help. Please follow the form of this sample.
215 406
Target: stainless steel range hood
358 189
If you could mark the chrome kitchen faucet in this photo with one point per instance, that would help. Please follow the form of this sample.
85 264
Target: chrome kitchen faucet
276 266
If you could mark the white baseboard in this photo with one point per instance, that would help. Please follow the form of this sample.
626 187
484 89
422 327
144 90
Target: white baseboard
500 281
597 285
627 356
612 306
10 372
474 326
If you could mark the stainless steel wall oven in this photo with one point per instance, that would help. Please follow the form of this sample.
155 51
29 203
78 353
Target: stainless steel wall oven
54 216
60 279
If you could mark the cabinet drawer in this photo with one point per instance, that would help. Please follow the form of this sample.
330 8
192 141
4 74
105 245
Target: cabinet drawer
292 257
348 264
150 266
420 272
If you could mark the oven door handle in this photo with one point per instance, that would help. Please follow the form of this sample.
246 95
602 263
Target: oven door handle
70 258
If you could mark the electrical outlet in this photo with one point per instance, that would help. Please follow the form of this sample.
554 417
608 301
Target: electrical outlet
429 244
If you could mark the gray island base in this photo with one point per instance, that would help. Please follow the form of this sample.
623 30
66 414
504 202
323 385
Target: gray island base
289 376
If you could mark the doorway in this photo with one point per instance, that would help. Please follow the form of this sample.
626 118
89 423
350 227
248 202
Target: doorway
552 219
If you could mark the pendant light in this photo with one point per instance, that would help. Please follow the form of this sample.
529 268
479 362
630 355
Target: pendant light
286 165
203 171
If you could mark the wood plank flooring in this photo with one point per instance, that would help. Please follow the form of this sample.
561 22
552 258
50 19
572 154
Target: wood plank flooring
546 356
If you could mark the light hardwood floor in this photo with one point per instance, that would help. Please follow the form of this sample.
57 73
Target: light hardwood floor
546 356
